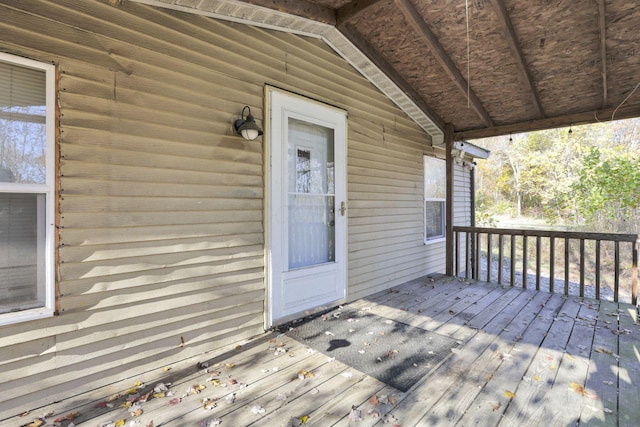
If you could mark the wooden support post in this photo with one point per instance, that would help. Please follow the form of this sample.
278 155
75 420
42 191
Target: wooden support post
448 139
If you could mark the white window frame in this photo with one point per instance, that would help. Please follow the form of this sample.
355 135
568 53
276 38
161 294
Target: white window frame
46 252
428 198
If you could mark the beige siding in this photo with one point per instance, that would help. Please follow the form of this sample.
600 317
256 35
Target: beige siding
161 206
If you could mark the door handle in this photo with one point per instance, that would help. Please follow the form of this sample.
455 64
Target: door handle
343 208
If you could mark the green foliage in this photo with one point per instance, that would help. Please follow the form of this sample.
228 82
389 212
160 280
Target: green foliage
589 177
608 186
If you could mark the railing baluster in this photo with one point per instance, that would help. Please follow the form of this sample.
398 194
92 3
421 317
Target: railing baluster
566 266
538 252
634 273
500 255
467 255
476 260
489 257
616 272
582 268
525 256
474 246
597 269
513 260
552 263
456 236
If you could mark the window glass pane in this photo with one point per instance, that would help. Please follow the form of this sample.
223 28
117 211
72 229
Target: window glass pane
311 220
434 219
22 124
21 240
435 178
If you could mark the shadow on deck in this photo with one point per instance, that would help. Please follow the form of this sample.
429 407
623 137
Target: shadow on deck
525 357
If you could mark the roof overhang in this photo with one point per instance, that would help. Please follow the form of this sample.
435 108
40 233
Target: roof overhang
236 11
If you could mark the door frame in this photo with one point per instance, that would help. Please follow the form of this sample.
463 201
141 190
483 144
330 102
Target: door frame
269 319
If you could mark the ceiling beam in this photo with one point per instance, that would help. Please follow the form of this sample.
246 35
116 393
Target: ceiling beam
603 51
301 8
510 35
604 115
378 60
417 22
352 10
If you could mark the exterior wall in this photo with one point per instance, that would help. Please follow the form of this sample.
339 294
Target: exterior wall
161 253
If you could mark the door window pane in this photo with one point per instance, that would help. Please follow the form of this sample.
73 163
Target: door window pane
311 226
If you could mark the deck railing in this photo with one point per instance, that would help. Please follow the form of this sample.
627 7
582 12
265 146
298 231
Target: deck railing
593 261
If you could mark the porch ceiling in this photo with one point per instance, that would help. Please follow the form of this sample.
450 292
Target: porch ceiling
487 67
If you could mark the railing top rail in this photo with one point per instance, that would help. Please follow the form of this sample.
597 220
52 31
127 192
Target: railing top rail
615 237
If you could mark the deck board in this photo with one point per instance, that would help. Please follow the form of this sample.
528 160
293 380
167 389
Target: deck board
564 360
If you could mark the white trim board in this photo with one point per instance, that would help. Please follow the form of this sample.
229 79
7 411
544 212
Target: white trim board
238 11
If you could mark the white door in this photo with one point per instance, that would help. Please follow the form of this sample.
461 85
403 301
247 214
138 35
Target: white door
306 206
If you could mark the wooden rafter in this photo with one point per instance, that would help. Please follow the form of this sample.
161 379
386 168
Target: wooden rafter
352 11
416 21
624 112
510 36
379 61
603 51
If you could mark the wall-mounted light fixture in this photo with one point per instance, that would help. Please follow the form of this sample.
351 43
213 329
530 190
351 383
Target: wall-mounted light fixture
247 127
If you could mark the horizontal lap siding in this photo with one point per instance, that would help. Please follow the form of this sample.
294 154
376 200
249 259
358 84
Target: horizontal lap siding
161 206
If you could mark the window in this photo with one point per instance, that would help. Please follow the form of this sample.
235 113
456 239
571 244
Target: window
27 91
435 190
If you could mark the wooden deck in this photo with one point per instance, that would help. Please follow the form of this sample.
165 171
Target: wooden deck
526 358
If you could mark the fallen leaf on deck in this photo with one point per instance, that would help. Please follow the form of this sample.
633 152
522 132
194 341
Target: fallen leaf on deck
120 422
231 398
160 387
374 401
578 388
132 390
145 397
258 410
305 374
607 411
166 369
175 401
498 406
159 395
389 419
136 413
537 378
509 394
229 365
355 414
35 423
126 405
607 382
570 357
